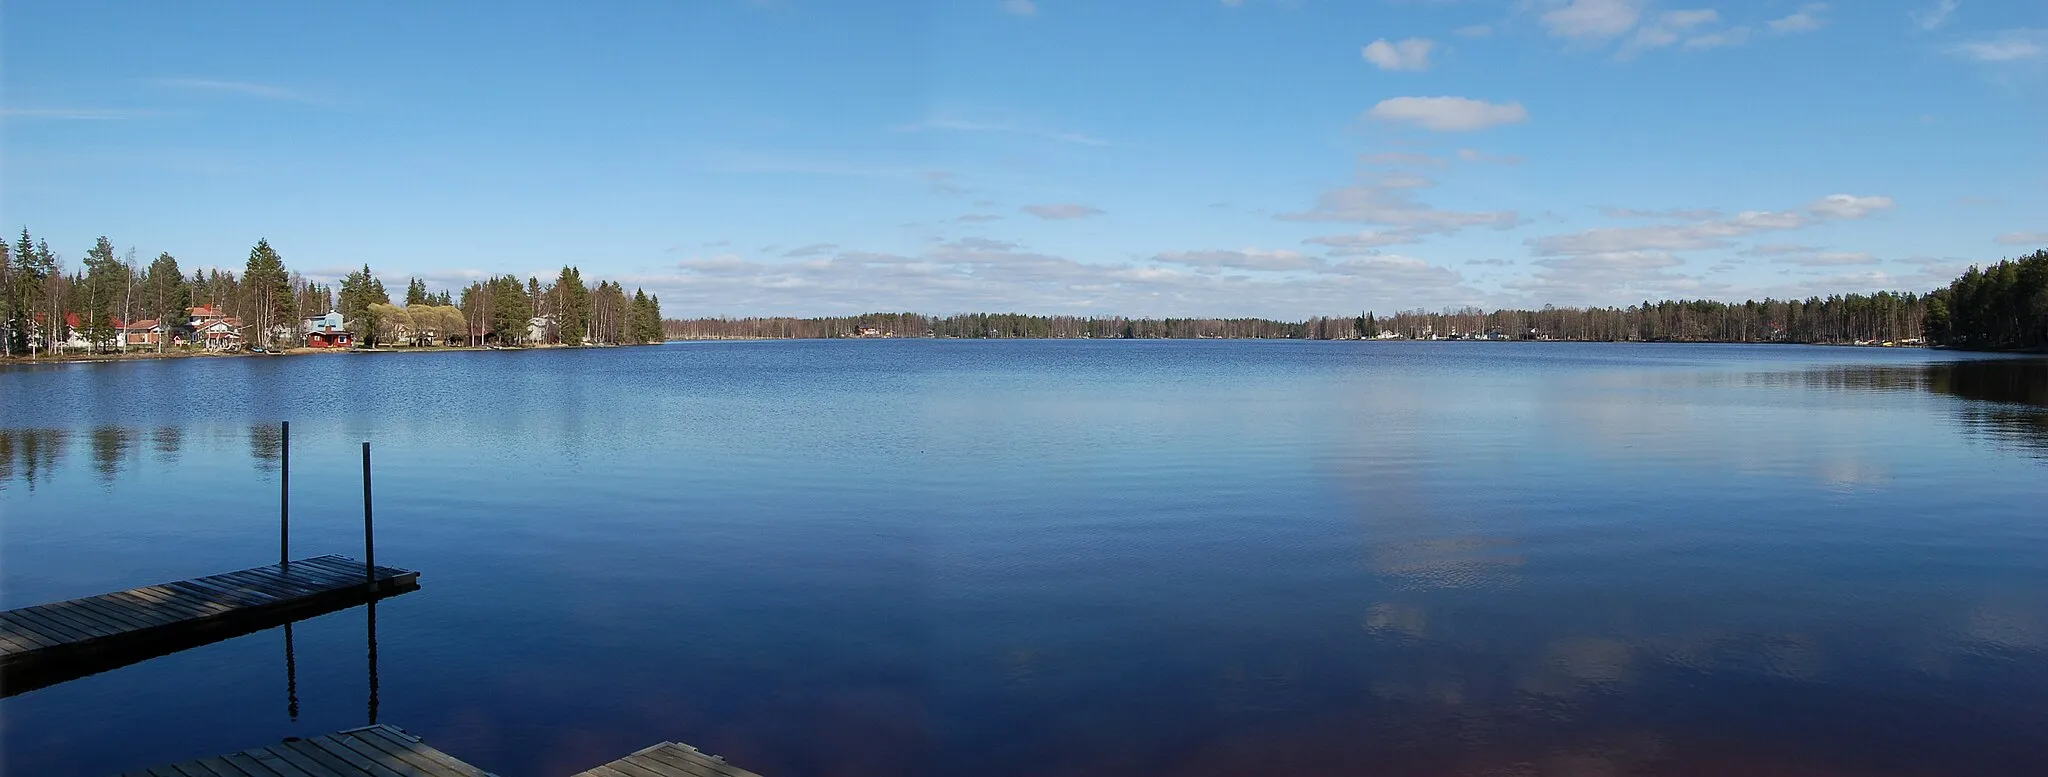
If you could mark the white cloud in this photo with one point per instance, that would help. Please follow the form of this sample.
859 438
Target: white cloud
1672 26
1061 211
1849 206
1242 259
1827 259
952 276
1389 200
1733 36
1687 214
1933 18
979 217
814 249
244 88
1476 156
1473 31
1593 19
1778 249
2020 45
1708 233
961 125
1448 114
1401 158
1684 20
1407 54
1807 19
1365 243
2024 239
1020 7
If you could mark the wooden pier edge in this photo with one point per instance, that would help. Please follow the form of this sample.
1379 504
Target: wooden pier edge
381 750
51 643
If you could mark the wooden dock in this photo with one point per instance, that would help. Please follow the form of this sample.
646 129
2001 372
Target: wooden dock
388 751
51 643
668 759
381 751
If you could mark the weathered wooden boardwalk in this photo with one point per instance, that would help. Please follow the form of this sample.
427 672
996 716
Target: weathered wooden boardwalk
380 751
50 643
668 759
388 751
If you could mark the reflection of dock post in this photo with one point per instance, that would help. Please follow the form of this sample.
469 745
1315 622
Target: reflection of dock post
373 662
284 500
291 677
369 538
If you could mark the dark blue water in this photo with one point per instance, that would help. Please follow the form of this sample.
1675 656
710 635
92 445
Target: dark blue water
968 559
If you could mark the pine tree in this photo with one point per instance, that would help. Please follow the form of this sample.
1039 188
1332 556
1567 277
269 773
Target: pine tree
360 290
269 292
416 293
100 290
29 271
511 309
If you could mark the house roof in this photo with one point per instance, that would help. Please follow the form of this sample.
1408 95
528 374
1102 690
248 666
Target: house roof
204 311
143 325
75 321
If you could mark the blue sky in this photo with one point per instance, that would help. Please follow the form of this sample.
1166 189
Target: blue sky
1195 157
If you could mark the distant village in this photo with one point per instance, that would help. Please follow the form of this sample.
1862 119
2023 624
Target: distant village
209 328
115 304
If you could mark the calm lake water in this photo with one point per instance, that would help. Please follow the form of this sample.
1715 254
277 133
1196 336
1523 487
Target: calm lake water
995 559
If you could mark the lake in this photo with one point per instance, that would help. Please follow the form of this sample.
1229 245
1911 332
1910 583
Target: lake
1007 558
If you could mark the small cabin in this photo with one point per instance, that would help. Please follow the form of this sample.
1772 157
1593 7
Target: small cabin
334 338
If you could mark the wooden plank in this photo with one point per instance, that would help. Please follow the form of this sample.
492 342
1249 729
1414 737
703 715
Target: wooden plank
220 766
278 763
172 607
313 760
396 738
668 759
326 578
363 755
44 624
249 765
270 584
352 568
69 613
396 762
207 592
22 635
219 591
62 640
631 766
687 760
122 616
72 612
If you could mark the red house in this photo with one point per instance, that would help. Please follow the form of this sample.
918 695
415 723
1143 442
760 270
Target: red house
339 338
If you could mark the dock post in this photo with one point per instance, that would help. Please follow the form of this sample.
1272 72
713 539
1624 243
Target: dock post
284 503
369 537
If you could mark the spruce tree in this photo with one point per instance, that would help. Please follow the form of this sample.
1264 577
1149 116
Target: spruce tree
100 293
269 291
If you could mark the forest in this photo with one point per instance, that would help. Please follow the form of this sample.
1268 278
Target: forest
109 293
2000 307
2003 306
1837 319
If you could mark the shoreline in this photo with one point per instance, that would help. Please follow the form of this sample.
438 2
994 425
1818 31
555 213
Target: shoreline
106 358
102 358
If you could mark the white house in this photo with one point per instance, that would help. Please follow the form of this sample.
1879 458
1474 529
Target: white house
332 322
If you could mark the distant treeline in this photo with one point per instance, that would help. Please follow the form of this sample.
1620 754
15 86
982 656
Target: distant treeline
2001 307
1837 319
111 296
